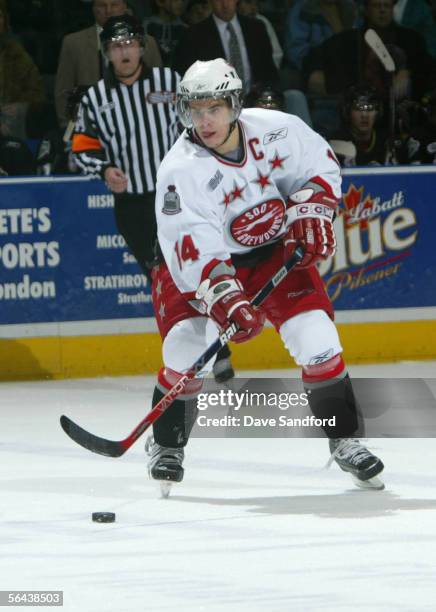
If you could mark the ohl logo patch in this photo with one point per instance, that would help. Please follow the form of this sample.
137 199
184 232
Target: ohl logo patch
260 224
171 204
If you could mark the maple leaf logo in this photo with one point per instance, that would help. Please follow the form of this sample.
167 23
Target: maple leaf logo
353 205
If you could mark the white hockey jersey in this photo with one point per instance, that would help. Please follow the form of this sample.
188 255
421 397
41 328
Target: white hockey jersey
208 207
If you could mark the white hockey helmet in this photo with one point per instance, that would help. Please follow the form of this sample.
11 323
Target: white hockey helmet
213 79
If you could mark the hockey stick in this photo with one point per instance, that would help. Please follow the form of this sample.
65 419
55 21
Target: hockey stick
374 41
112 448
68 131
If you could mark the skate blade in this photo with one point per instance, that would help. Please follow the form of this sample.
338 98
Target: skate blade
373 483
165 488
149 444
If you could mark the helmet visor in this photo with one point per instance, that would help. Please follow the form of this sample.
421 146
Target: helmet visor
364 106
120 45
195 110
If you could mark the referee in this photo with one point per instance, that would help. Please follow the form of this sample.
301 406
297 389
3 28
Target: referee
126 123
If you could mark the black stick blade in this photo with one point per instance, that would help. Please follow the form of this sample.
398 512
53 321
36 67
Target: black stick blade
101 446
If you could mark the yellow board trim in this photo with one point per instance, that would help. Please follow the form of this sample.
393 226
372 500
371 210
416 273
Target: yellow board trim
131 354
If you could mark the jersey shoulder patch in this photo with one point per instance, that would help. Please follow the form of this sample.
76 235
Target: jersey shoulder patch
171 202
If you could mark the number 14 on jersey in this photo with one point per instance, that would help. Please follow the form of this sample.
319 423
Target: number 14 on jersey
186 250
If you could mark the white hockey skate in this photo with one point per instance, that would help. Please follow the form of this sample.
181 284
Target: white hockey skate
375 483
358 461
165 488
165 465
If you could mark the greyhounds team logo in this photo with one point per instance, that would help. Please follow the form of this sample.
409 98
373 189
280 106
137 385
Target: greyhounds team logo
260 224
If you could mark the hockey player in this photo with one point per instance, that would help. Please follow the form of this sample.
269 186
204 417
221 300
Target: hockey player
361 130
236 194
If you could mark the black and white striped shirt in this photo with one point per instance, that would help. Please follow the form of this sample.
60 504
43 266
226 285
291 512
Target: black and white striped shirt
131 127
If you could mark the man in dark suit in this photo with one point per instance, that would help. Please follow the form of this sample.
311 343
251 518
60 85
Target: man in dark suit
243 41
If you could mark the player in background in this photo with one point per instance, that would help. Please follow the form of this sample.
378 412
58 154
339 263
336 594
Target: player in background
265 96
362 140
235 195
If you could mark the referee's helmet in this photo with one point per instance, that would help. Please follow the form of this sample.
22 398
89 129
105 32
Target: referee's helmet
122 28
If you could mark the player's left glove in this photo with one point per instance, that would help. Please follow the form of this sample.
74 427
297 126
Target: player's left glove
311 226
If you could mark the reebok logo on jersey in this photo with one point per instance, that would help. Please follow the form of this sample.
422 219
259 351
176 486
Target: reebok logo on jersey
275 135
321 357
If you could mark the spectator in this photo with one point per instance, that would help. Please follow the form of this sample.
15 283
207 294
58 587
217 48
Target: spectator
420 15
21 87
243 41
421 144
137 8
74 15
358 64
166 26
54 155
249 8
265 97
311 22
412 14
291 101
35 24
81 61
196 11
16 158
360 141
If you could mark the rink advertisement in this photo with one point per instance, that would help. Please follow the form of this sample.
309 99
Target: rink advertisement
385 253
74 302
61 257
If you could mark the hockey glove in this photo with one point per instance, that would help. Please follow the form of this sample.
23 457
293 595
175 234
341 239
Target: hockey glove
222 298
310 226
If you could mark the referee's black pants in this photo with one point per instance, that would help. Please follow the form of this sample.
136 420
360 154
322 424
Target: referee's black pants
136 222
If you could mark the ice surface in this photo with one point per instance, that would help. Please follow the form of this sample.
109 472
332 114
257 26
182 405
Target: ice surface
256 525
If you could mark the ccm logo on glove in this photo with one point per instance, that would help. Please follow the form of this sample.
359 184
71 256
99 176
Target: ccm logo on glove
310 226
315 209
223 299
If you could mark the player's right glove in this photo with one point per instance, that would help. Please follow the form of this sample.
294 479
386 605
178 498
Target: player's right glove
223 299
310 218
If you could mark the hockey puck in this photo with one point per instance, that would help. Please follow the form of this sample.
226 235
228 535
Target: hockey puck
103 517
